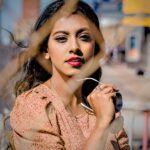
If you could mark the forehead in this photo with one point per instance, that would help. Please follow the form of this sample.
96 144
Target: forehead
72 22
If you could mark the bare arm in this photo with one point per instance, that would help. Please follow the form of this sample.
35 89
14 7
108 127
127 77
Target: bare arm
101 101
97 139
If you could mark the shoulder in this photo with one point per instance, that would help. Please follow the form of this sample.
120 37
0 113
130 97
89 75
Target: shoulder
34 99
34 116
31 106
37 95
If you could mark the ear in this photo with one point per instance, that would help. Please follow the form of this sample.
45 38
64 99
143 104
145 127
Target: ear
46 56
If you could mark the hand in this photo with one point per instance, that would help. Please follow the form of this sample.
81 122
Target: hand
101 102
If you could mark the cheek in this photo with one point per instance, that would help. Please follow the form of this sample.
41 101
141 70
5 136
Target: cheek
89 50
55 49
91 46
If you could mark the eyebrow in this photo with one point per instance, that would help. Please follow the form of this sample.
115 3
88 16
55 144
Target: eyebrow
67 33
64 32
82 30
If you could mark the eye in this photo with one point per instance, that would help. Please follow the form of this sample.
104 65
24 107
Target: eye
61 39
85 37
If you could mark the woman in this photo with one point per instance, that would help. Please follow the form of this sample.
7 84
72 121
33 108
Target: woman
39 119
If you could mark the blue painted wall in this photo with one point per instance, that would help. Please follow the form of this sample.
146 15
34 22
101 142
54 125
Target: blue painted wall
11 12
106 7
44 3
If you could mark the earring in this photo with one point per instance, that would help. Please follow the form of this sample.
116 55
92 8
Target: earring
47 56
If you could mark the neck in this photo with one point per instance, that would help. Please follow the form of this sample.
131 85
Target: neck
59 84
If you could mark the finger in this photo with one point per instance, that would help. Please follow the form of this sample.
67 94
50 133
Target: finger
107 90
118 114
110 95
97 89
123 141
89 98
103 86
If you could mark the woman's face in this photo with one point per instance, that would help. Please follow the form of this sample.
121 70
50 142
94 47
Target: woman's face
70 45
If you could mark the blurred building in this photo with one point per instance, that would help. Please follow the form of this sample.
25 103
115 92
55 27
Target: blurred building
18 17
126 28
137 21
125 25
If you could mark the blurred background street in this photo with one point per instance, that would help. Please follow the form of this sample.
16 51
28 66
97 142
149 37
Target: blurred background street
125 25
136 99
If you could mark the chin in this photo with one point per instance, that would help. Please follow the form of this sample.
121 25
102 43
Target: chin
72 73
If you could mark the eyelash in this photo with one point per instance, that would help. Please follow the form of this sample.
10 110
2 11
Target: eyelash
61 39
84 37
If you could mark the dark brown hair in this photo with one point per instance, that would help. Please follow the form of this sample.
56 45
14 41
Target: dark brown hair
34 72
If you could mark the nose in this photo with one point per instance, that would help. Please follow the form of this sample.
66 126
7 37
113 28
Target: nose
75 48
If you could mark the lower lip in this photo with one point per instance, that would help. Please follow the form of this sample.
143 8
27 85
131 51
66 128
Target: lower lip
74 64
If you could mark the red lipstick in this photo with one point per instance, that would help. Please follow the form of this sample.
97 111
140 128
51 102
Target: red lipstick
75 61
